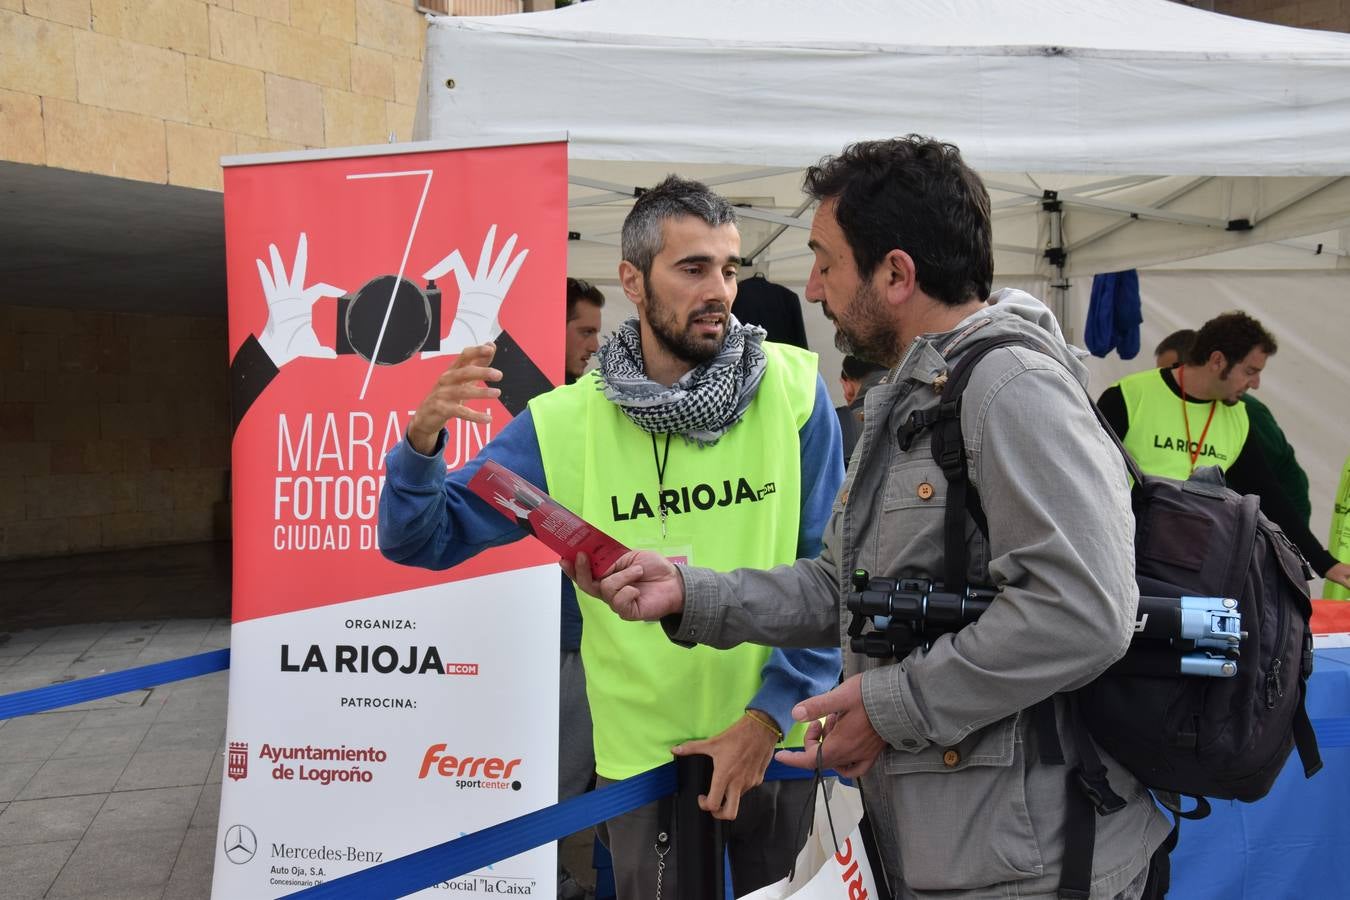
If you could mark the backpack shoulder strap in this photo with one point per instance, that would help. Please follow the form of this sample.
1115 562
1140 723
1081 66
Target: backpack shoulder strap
948 448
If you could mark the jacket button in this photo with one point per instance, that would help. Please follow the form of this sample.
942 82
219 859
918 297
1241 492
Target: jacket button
925 491
950 758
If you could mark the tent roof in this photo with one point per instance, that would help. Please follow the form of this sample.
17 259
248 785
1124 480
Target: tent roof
1092 86
1158 124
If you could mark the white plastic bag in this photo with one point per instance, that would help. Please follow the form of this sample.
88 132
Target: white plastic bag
821 873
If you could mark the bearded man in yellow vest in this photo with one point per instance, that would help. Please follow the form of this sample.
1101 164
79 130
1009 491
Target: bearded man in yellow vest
696 438
1174 420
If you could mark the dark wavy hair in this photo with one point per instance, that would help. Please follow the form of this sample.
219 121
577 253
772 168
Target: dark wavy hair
917 195
1234 334
579 289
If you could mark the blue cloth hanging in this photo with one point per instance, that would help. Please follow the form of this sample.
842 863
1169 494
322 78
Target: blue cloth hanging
1114 314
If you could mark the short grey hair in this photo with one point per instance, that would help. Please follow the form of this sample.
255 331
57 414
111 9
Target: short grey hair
672 198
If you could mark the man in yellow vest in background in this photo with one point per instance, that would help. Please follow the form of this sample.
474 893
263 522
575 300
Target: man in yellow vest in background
1339 542
693 437
1175 420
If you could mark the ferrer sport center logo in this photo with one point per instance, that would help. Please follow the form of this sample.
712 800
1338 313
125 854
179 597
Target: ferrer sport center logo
470 773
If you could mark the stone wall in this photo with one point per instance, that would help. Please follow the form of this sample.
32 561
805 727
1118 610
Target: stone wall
114 431
159 90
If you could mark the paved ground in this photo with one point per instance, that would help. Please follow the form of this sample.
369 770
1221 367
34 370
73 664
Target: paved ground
114 798
117 798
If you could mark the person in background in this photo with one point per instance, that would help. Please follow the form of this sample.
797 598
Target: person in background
584 302
856 376
1265 431
696 438
1171 349
1173 420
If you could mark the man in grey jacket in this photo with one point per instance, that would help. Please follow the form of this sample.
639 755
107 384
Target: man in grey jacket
953 779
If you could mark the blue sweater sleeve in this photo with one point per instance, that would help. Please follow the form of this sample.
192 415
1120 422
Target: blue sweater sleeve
431 519
790 676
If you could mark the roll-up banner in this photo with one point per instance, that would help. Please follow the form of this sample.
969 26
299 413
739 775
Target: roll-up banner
377 709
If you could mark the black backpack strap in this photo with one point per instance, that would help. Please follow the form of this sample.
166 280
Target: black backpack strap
949 452
1305 739
1089 795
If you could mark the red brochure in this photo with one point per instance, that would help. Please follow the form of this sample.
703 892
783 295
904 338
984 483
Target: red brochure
560 529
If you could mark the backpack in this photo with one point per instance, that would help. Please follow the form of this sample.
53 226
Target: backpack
1221 738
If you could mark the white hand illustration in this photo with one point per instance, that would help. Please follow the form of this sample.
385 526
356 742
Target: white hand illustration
480 294
289 332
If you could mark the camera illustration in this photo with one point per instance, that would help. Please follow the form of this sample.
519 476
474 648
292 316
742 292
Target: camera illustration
414 323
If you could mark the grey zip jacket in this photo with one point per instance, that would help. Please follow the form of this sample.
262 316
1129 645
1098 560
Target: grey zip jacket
961 804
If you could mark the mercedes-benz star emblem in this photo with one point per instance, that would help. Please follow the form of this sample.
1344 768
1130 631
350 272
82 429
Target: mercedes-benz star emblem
240 844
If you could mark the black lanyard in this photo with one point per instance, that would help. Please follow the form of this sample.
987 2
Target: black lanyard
660 462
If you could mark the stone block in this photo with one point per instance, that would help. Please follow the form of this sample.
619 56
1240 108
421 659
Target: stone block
115 73
68 12
87 139
194 155
352 120
175 454
234 38
189 525
72 386
154 490
172 24
400 120
66 421
11 355
114 492
39 352
77 353
136 529
60 496
407 80
275 10
17 421
85 533
21 128
67 457
330 18
24 458
247 144
24 386
309 57
11 497
137 864
33 537
128 421
39 56
393 27
226 97
294 111
372 73
197 489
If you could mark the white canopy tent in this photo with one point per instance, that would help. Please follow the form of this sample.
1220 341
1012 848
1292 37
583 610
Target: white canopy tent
1113 134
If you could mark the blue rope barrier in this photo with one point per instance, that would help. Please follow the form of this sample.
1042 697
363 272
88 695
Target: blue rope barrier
41 699
443 862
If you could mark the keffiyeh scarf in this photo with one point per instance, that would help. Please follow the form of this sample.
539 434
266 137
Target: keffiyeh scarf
704 403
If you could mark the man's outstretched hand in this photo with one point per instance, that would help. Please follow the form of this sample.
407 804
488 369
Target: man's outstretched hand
641 586
840 735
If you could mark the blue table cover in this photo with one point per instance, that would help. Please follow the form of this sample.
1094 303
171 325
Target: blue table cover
1295 842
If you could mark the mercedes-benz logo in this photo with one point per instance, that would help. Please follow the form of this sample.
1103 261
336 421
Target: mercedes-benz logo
240 844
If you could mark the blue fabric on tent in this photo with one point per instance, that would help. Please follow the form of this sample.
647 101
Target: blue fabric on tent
1114 314
1290 843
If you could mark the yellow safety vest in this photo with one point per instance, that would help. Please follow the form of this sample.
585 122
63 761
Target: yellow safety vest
1157 435
1339 542
734 504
